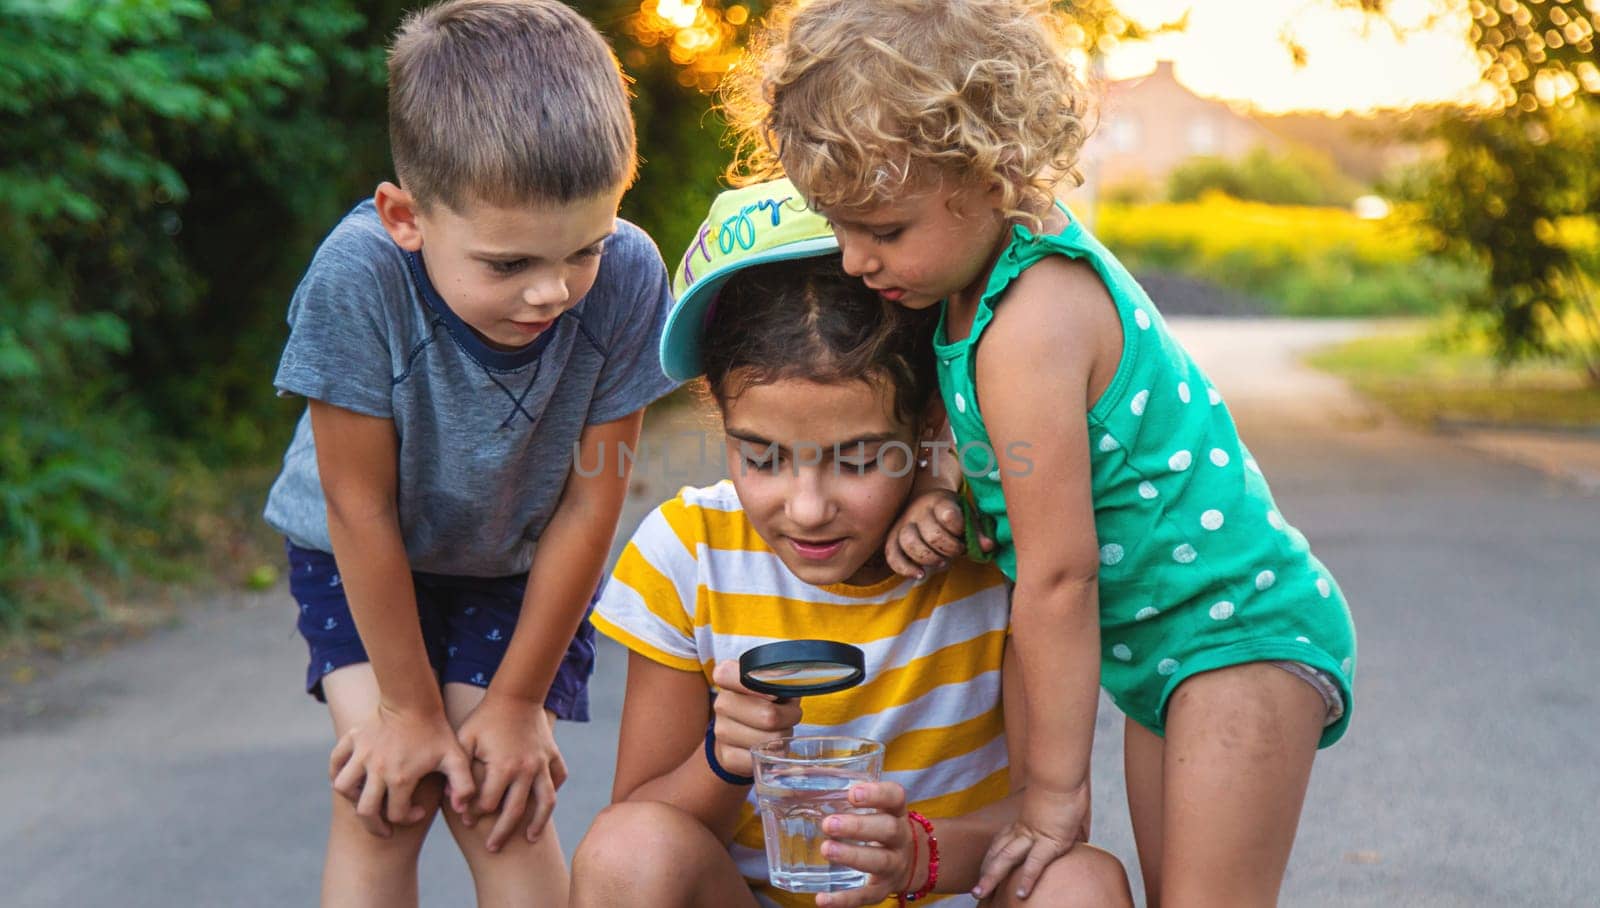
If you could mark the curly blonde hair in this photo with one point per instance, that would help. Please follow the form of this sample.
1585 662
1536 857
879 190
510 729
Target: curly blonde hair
854 100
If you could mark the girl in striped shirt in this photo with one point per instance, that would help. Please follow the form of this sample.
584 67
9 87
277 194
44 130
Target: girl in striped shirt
822 390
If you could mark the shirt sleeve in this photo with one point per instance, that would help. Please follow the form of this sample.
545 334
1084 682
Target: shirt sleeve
632 376
648 605
338 350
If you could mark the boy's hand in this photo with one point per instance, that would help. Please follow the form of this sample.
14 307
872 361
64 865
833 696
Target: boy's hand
930 532
377 764
522 768
892 853
1050 824
743 718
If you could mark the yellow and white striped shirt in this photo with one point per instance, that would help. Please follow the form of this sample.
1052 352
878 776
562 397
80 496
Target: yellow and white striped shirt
697 585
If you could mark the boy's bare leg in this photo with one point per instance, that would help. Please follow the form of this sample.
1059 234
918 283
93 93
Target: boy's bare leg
1235 764
1085 877
522 873
361 868
650 853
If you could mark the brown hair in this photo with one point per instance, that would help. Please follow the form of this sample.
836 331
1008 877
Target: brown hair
855 101
808 319
506 102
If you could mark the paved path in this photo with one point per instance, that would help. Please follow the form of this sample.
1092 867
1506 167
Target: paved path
187 768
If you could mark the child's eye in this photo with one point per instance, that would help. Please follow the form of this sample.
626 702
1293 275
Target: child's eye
593 252
508 267
858 467
887 236
760 465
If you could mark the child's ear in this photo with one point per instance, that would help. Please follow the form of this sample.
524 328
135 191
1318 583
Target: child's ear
397 209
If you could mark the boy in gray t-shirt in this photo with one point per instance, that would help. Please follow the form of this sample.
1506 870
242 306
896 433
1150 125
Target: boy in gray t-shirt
461 339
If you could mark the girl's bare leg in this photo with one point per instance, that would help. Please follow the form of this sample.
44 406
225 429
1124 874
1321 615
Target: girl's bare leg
1085 877
1141 765
1235 764
650 853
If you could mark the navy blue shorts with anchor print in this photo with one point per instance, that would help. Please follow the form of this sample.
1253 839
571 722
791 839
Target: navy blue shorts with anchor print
466 624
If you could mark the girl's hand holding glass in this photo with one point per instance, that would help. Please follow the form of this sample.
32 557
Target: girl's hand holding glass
885 845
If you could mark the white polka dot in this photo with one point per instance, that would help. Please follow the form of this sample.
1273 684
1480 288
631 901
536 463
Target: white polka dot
1141 319
1219 457
961 403
1222 611
1212 519
1275 519
1251 465
1110 554
1107 443
994 475
1166 666
1146 613
1139 401
1147 491
1184 554
1122 652
1346 665
1324 587
1304 639
1265 580
1183 391
1180 461
1214 396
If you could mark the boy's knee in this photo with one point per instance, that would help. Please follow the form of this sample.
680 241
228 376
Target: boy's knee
405 840
635 846
1088 877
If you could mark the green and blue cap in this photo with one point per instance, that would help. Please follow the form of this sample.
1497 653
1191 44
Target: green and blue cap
753 225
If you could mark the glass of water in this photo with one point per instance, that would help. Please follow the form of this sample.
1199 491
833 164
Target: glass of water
799 781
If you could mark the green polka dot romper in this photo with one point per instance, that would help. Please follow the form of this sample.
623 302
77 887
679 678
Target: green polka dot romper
1198 570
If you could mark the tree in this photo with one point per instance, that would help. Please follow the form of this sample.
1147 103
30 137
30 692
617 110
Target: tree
1517 189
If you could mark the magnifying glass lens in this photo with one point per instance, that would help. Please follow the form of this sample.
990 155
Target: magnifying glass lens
801 668
802 673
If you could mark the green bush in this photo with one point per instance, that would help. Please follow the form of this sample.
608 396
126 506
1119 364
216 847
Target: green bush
1298 260
119 308
1297 177
168 168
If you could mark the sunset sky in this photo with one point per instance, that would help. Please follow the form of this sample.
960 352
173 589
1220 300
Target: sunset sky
1236 49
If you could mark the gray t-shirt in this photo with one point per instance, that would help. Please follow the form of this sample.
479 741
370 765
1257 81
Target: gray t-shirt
486 437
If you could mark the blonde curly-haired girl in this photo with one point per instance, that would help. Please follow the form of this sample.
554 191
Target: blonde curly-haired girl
1145 547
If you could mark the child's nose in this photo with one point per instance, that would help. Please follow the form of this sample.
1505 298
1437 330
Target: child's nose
552 292
809 504
858 260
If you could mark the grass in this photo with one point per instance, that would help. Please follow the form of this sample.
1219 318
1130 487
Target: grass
1299 260
1427 376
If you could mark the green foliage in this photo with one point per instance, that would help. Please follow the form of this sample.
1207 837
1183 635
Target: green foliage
1293 178
168 168
1516 190
161 159
1296 260
1520 195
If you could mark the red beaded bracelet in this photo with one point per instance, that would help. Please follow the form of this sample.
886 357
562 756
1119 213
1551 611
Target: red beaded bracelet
933 858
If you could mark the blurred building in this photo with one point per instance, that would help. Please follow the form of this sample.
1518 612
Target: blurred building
1151 124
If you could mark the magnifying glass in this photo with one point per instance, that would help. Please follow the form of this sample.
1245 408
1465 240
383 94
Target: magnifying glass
801 668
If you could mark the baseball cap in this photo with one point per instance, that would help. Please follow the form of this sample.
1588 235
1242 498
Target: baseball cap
753 225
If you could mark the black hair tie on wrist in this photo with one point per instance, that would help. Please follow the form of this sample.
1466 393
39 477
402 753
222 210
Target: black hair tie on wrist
711 759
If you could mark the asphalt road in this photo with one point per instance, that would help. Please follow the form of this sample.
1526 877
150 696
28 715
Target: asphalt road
188 768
